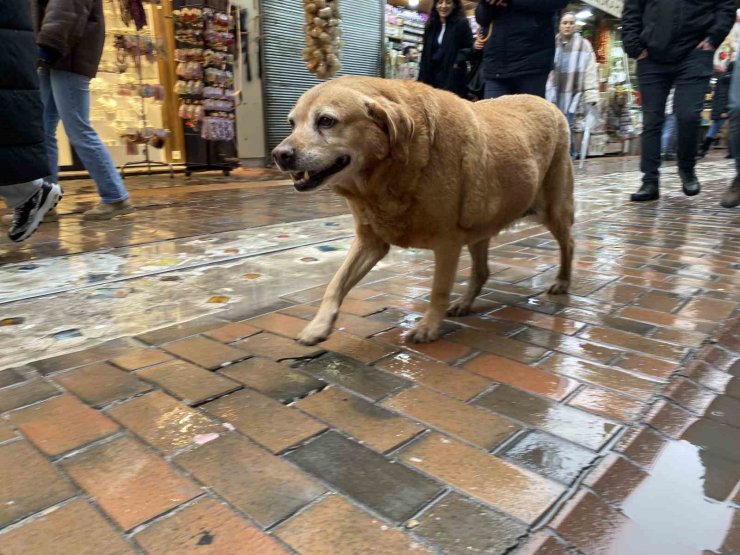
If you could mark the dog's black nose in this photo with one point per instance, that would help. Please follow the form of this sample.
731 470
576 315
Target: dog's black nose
284 157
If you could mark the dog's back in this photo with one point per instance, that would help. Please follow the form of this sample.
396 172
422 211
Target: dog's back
521 138
533 123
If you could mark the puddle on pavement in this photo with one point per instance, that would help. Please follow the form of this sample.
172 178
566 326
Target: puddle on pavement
683 506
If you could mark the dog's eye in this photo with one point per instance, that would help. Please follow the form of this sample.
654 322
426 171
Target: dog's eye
326 122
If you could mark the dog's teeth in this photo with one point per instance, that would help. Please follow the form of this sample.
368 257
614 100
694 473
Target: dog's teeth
306 175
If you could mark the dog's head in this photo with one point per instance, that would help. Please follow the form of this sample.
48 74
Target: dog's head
341 129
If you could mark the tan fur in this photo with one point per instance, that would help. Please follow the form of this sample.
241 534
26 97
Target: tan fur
430 170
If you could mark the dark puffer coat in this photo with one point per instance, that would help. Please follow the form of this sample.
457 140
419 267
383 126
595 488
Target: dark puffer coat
670 29
523 39
74 29
22 151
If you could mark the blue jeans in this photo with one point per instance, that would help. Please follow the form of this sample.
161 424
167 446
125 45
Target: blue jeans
571 117
735 118
66 95
668 140
715 128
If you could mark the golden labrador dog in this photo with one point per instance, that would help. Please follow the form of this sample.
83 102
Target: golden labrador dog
423 168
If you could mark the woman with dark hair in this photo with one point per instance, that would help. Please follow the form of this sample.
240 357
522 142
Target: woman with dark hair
448 40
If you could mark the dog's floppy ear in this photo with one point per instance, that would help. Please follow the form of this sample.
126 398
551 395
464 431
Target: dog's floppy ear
395 120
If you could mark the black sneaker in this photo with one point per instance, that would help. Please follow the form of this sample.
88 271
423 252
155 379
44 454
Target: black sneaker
28 216
650 190
691 186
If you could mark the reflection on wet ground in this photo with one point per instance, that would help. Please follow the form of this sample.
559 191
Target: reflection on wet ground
673 509
675 487
607 421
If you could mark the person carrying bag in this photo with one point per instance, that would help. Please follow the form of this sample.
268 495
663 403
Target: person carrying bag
476 79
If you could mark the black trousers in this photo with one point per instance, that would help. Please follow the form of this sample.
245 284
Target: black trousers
534 83
690 77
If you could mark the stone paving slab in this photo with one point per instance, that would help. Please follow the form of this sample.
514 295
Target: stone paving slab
602 422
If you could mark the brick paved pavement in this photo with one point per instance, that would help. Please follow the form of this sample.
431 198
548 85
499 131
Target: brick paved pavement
603 422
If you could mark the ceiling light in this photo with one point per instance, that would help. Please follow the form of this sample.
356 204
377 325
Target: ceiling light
413 4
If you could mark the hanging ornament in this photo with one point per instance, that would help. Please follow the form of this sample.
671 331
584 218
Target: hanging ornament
133 10
323 37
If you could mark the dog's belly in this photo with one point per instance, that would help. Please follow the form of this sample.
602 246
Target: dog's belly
418 229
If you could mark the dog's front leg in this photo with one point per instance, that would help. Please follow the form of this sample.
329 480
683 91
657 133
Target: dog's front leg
366 251
446 258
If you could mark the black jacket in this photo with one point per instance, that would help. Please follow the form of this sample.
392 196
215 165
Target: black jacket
75 29
22 152
670 29
523 39
721 96
445 65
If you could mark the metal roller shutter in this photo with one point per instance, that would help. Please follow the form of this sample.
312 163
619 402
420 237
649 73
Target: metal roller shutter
285 75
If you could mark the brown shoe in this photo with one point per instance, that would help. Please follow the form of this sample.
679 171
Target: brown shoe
108 211
51 216
731 198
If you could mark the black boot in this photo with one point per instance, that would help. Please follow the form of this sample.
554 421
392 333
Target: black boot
731 197
650 190
691 186
705 146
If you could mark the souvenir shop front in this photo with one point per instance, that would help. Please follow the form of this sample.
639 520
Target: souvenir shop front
303 42
164 89
404 38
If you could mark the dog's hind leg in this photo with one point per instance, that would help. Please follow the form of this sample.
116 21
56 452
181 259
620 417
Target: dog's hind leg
446 258
558 216
366 251
478 278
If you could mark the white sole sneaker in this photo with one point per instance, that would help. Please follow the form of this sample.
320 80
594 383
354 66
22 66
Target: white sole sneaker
51 194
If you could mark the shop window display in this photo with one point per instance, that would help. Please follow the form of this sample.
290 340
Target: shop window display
404 32
617 122
127 108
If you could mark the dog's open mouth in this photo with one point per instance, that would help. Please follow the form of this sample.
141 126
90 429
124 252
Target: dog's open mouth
307 180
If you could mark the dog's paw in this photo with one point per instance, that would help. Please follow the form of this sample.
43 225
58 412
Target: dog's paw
460 308
423 333
560 287
313 334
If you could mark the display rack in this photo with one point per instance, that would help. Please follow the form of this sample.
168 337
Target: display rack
205 51
147 161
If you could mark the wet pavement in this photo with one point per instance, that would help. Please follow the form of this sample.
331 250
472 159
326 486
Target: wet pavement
152 398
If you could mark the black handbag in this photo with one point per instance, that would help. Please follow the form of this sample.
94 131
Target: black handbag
476 81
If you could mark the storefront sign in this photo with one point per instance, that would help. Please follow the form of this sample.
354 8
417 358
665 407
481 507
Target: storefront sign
612 7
